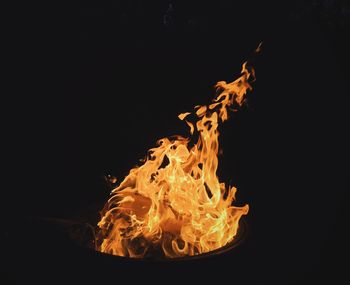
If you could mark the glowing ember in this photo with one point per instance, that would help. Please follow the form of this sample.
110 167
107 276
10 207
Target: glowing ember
174 204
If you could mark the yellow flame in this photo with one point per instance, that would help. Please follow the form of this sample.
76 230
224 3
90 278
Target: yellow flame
174 203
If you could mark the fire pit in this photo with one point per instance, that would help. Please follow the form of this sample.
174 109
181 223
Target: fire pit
174 205
83 235
62 252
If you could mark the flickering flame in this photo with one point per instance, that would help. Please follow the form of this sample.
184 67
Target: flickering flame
174 204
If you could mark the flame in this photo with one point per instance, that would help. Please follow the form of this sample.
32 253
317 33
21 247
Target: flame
174 204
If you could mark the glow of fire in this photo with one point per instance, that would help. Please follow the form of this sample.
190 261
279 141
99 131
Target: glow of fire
174 203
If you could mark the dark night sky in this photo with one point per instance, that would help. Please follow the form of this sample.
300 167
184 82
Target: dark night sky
98 90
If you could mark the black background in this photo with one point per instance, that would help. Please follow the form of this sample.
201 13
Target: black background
95 91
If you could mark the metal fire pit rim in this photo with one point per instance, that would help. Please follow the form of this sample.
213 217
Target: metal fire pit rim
239 238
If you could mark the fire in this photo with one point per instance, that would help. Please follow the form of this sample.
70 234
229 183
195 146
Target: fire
174 204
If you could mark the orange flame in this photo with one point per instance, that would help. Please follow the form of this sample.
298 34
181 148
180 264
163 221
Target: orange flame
174 204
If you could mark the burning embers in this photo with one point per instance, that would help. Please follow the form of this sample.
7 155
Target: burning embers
174 204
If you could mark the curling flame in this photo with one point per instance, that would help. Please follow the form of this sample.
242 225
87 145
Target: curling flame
174 204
